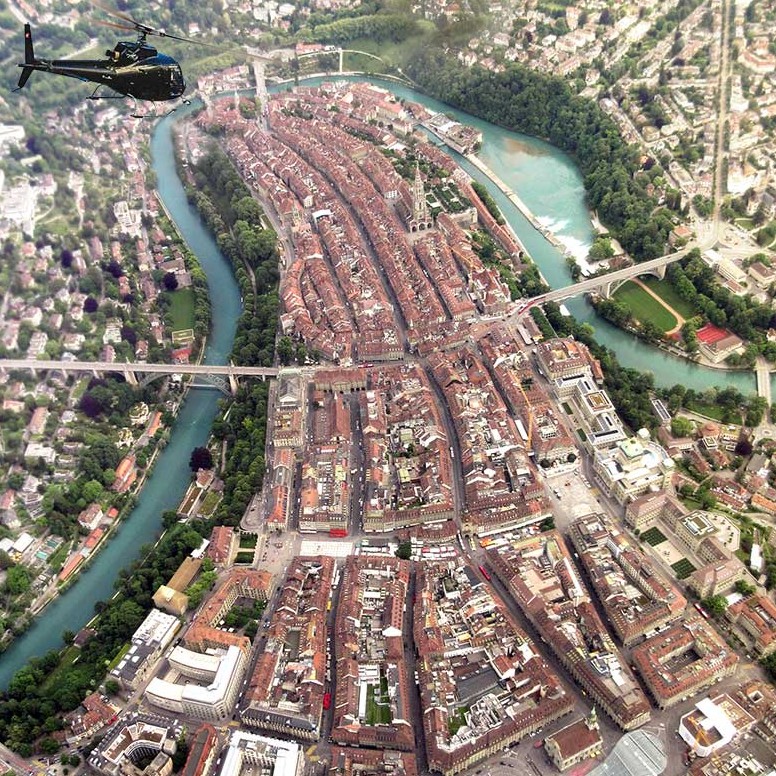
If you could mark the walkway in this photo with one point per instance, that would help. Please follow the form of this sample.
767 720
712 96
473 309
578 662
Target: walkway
679 318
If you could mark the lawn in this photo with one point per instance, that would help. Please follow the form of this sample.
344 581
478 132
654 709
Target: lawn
683 568
669 295
362 64
653 536
457 720
376 713
645 307
244 556
181 310
248 541
209 504
58 558
393 53
713 411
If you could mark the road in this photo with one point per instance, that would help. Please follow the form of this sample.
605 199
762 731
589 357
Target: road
721 156
225 370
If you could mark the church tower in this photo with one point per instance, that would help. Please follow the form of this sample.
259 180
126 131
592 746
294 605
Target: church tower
420 216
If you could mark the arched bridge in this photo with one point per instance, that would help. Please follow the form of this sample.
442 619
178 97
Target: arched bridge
607 284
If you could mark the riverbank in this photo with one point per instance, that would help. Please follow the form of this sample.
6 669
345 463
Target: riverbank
167 483
519 204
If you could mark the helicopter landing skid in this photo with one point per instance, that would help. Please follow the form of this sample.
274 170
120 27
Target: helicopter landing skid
112 95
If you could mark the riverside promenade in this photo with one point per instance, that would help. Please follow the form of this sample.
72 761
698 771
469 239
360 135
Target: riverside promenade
517 202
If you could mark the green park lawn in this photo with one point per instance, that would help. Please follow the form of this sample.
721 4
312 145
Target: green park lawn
248 541
669 295
67 658
181 308
644 307
376 713
395 54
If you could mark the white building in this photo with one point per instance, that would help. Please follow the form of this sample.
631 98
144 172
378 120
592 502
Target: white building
261 753
706 728
148 642
634 467
223 673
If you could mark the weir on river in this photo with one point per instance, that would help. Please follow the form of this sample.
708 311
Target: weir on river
545 179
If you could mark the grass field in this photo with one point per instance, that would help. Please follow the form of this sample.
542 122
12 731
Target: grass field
209 503
181 308
653 536
376 713
57 560
683 568
644 307
248 541
669 295
395 54
713 411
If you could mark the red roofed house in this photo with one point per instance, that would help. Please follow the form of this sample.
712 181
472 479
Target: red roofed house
126 474
578 741
717 344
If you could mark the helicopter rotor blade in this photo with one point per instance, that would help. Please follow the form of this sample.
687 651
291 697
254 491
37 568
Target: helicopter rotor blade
114 25
163 34
143 28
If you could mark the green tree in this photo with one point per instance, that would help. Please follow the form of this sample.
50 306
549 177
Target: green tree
744 588
201 458
404 551
682 427
17 580
715 605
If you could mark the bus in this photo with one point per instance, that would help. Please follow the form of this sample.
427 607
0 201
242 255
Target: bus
327 700
485 573
703 612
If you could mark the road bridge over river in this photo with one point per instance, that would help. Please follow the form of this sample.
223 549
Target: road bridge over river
224 376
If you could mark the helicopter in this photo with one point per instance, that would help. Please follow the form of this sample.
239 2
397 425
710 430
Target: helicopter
132 69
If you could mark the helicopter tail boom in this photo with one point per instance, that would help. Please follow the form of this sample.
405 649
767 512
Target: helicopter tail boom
29 57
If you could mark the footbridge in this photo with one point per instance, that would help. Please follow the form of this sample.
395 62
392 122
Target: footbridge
224 377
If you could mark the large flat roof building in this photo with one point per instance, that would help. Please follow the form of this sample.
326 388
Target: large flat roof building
251 753
213 691
153 636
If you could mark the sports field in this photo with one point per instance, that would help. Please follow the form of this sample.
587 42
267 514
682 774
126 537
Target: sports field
644 307
669 295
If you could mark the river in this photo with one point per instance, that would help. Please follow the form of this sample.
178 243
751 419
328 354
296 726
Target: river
543 177
171 475
550 184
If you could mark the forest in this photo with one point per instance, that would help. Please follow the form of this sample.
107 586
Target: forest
235 218
544 106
